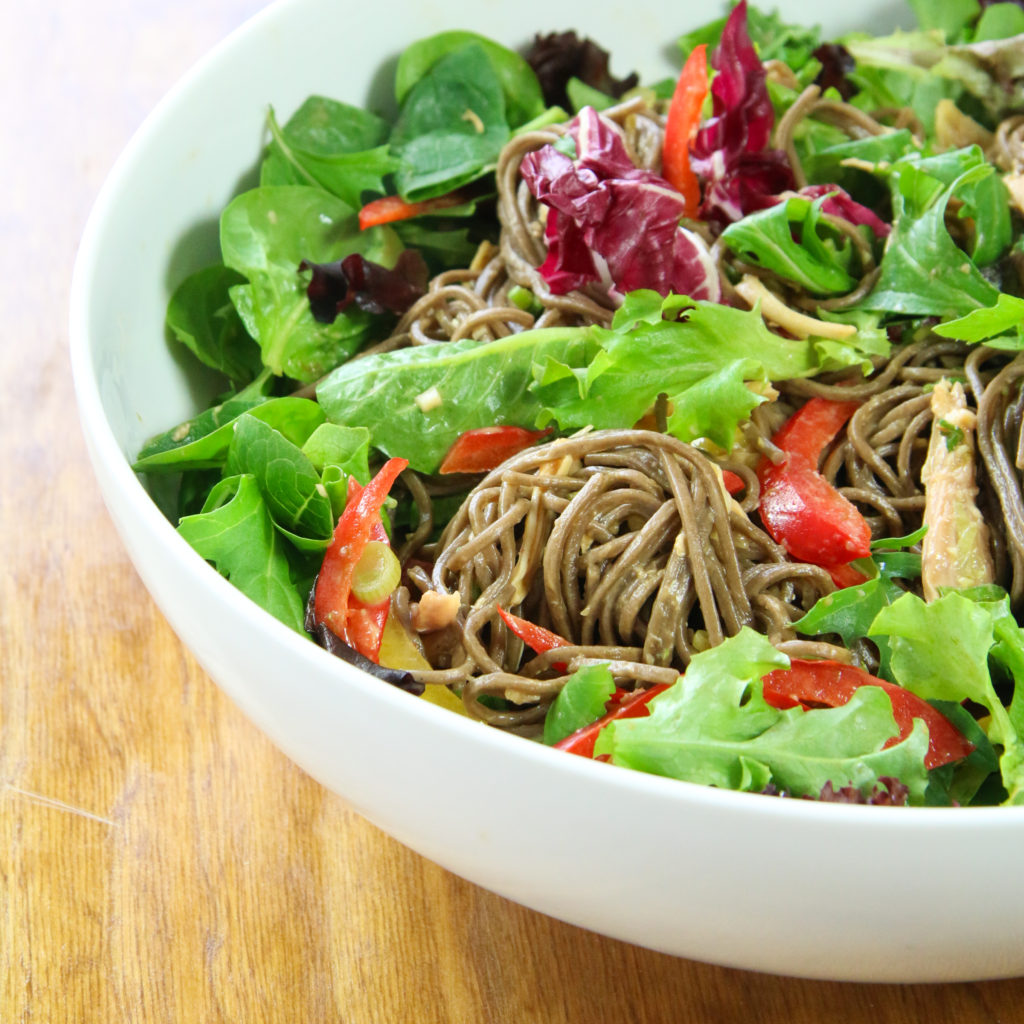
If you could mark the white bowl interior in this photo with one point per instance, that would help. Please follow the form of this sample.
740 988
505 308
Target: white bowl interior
782 886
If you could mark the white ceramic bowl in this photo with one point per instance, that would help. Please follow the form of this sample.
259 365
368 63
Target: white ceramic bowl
785 886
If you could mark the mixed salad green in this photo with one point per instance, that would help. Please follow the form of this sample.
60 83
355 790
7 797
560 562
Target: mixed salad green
356 209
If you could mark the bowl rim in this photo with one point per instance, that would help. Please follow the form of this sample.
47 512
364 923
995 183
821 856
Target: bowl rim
105 451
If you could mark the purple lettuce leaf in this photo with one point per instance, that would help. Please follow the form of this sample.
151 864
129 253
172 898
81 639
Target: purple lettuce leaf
369 286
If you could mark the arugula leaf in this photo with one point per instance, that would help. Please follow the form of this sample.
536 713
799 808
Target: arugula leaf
791 239
1002 321
236 533
265 234
581 701
714 727
923 270
452 126
200 315
478 386
291 487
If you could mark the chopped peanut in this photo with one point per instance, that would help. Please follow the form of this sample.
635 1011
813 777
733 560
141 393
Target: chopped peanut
435 611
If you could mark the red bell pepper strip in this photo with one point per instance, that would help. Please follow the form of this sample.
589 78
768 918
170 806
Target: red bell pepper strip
389 209
358 625
537 638
681 125
831 684
800 509
486 448
734 483
621 704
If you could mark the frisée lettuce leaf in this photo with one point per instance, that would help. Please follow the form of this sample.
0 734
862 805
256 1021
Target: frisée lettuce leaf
714 727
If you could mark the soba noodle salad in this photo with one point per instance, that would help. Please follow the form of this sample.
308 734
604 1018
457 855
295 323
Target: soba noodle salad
675 424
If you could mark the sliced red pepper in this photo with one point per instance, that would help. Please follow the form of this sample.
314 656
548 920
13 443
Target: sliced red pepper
800 509
734 483
681 125
486 448
831 684
537 638
389 209
358 625
621 704
812 427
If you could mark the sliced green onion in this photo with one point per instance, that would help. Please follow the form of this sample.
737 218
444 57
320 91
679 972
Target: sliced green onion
376 574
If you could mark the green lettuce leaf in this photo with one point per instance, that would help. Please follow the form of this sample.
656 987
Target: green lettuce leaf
940 651
714 727
701 362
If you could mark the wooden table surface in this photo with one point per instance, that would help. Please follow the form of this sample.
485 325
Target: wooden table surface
159 859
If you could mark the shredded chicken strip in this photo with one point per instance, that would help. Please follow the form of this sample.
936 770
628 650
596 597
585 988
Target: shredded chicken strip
955 551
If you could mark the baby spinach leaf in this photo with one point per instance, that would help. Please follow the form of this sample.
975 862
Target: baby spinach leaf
452 126
201 316
290 485
265 234
203 441
326 144
469 385
236 533
348 448
581 701
519 85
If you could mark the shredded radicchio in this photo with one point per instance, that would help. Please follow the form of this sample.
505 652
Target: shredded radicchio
730 153
326 638
372 288
889 792
559 56
841 204
609 219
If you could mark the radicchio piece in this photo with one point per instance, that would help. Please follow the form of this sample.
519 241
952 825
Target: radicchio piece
841 204
607 214
559 56
326 638
729 154
369 286
887 792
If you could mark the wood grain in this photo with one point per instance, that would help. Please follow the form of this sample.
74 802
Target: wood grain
159 859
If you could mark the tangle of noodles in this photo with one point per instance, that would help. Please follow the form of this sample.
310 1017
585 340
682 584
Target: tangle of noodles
625 543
